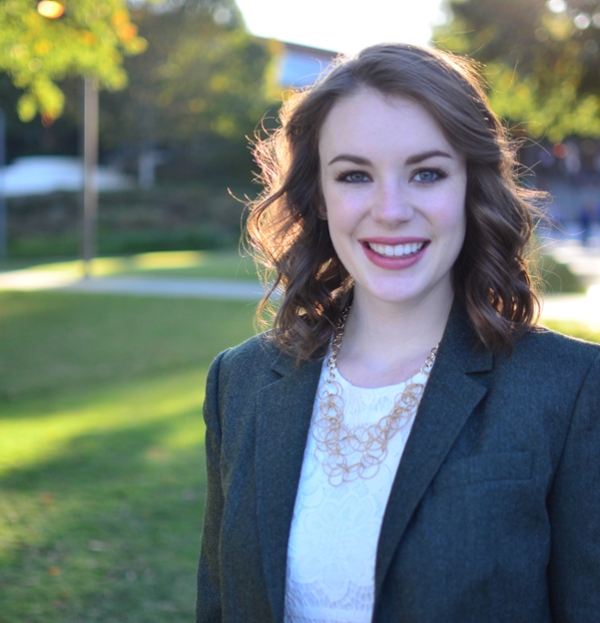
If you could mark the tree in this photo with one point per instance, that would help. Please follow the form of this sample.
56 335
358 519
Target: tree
90 39
202 84
541 60
201 87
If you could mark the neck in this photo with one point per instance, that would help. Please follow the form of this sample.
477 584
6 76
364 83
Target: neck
385 344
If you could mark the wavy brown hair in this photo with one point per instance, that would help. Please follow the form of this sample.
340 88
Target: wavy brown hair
289 235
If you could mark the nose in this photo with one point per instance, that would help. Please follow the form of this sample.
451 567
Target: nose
392 204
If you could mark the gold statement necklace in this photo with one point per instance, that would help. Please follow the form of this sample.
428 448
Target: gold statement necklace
338 442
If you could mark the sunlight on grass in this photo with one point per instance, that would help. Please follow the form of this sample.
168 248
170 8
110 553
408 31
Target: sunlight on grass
146 261
221 264
40 430
102 478
184 438
114 265
101 502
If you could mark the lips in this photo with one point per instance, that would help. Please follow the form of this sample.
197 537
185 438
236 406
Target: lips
394 253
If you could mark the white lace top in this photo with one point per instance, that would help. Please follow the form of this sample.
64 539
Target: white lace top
335 529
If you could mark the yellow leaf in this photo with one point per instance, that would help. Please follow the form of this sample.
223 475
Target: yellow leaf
26 107
137 45
119 18
127 32
87 38
43 47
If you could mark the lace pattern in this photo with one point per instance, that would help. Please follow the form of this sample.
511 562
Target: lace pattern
335 529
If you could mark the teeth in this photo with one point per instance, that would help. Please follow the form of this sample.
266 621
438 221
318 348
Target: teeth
399 250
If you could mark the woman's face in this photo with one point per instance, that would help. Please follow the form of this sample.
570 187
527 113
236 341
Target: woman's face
394 191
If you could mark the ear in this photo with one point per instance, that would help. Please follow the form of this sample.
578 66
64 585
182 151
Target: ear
322 212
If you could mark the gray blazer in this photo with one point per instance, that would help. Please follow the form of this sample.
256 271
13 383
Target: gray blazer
494 515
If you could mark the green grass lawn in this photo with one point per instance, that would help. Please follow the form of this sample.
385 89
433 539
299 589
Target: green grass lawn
101 455
101 444
552 277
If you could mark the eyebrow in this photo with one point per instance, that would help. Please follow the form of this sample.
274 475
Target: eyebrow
415 159
350 158
427 154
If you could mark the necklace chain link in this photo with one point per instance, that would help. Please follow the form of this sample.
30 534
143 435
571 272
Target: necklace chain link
339 442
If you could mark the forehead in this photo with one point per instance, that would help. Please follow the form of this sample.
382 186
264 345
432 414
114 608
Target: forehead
368 121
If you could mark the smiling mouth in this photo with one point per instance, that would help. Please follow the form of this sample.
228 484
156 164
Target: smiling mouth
398 250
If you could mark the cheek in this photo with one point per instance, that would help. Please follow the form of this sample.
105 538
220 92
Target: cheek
456 221
342 229
343 212
338 228
451 215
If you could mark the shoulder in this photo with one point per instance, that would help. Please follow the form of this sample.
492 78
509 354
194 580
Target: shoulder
551 349
549 364
539 352
256 352
246 367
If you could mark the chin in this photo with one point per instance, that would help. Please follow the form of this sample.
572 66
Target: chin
407 293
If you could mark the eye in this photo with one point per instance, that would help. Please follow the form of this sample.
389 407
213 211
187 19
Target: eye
428 176
353 177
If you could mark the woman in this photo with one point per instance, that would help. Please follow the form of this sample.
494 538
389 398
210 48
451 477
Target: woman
405 444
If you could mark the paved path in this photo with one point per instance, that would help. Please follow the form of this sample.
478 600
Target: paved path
576 307
582 261
28 280
186 288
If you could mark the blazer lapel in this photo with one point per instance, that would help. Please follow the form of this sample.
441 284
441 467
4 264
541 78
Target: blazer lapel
284 411
449 399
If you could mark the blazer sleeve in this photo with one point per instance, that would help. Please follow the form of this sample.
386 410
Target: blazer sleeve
208 604
574 509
